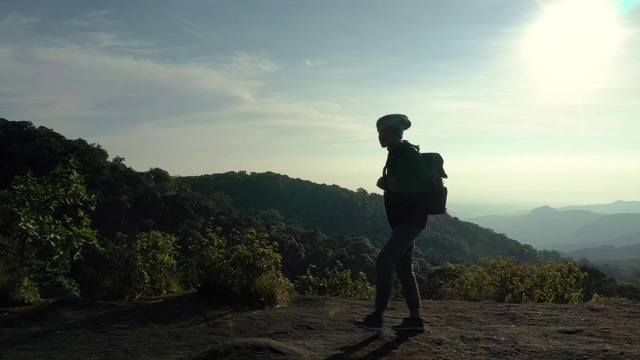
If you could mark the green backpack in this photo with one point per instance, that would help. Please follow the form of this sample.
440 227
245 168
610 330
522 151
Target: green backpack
438 203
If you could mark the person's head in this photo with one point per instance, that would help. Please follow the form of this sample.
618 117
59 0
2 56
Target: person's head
391 128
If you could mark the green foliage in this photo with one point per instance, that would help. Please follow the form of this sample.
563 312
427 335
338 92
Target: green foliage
44 226
561 282
336 281
596 283
608 299
16 289
629 290
144 265
508 281
332 209
241 267
432 284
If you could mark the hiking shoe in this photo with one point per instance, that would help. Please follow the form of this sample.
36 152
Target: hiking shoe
373 322
410 324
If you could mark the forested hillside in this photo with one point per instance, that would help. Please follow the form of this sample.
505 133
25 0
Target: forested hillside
75 222
335 210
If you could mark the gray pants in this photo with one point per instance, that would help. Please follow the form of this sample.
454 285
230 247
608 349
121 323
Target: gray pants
397 253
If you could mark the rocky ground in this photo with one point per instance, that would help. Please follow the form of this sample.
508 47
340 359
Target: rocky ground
185 327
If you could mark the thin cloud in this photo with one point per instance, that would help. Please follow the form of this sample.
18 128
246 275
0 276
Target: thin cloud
15 22
93 19
97 84
243 64
313 63
195 33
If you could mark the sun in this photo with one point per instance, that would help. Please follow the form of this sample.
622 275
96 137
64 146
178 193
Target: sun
572 46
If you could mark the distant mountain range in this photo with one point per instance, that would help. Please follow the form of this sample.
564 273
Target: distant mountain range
572 228
466 211
606 252
618 207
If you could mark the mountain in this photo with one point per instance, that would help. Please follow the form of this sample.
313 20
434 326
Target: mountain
617 207
607 252
566 230
465 210
335 210
607 228
468 210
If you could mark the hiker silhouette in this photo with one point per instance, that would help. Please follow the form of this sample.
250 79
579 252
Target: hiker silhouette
405 182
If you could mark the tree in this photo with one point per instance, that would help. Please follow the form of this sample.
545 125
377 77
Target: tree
44 225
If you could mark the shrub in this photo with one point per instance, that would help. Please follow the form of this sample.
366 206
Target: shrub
240 268
336 281
433 284
507 281
561 282
629 290
16 289
144 265
595 282
608 299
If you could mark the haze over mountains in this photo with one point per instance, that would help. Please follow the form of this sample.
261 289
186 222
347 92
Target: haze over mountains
618 207
572 228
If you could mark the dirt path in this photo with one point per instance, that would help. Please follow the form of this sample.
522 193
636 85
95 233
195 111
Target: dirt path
317 328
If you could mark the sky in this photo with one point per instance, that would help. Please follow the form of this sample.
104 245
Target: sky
530 103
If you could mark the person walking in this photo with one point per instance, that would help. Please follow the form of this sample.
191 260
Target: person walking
407 185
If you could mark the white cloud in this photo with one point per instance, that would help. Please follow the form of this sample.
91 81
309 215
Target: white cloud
73 82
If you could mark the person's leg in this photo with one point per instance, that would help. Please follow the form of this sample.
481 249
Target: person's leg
402 238
407 278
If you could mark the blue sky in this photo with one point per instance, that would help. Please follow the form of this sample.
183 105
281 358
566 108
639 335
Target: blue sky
529 102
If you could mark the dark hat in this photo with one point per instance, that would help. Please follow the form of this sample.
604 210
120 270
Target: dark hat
398 123
395 120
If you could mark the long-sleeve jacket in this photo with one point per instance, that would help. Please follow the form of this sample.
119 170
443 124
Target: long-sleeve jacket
407 205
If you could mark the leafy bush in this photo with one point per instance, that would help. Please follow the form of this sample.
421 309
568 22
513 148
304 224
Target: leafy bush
240 268
336 281
144 265
609 299
596 283
433 284
507 281
44 225
629 290
15 289
560 282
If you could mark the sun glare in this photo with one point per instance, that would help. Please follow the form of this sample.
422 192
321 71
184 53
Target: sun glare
571 47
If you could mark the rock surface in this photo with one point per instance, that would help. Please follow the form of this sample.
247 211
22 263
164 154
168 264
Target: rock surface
185 327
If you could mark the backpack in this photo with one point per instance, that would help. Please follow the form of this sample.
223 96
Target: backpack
437 204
